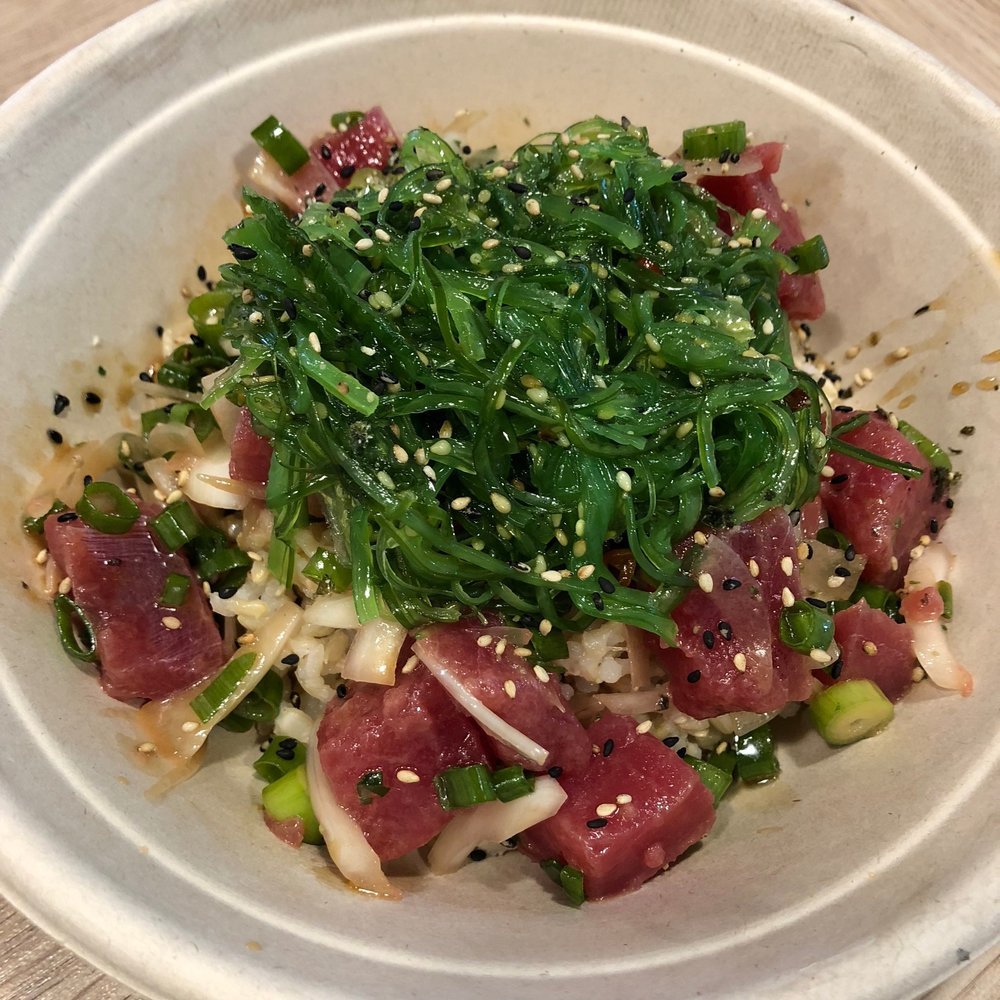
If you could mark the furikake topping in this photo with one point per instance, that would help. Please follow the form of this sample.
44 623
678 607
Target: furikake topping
501 370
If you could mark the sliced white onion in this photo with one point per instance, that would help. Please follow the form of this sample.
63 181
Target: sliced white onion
935 563
267 178
633 702
930 646
209 483
739 723
374 652
293 722
333 611
488 720
817 572
226 414
349 851
491 823
599 654
156 390
748 163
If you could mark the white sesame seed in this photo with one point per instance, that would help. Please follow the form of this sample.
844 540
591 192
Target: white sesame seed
740 662
551 576
545 626
541 673
443 184
580 528
585 572
867 374
400 454
869 647
510 689
42 557
484 196
189 726
787 597
820 656
513 268
382 235
700 538
828 472
802 551
758 213
256 317
606 809
314 342
460 503
383 196
500 503
706 582
501 399
174 496
65 586
577 171
246 296
431 198
624 481
368 351
364 244
501 647
407 777
696 380
716 492
430 473
787 566
754 568
652 343
893 564
146 748
835 581
410 665
538 395
522 651
352 213
683 429
644 727
490 243
385 479
900 353
500 171
918 675
624 799
532 207
170 622
484 640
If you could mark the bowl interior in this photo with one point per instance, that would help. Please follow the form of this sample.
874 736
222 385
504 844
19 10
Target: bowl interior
134 148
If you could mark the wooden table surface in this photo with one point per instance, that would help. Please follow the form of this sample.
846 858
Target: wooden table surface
963 34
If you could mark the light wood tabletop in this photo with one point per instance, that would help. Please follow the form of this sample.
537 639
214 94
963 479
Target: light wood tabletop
963 34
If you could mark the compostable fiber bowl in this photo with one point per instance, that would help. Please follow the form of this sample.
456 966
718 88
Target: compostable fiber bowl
861 872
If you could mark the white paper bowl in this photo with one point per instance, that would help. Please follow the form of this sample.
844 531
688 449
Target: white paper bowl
860 873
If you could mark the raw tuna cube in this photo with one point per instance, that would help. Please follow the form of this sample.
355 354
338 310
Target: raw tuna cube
728 656
117 582
881 512
412 727
801 295
508 686
368 143
250 453
667 811
888 659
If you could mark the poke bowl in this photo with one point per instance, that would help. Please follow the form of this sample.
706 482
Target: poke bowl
124 166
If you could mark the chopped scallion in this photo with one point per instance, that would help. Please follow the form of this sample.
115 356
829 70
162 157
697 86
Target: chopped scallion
715 779
326 570
76 634
206 704
804 628
810 255
279 143
371 783
850 711
511 783
175 590
107 508
175 525
948 597
709 142
345 119
458 787
288 798
36 525
281 756
755 758
570 879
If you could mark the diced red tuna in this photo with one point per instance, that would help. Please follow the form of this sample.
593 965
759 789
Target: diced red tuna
288 831
508 686
250 453
882 513
367 143
873 647
801 295
413 726
117 581
728 656
669 810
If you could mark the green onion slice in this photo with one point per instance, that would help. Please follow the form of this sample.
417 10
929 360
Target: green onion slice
36 525
805 628
175 590
810 255
76 634
346 119
570 879
715 779
107 508
282 755
206 704
511 783
948 597
279 143
755 758
933 452
458 787
263 703
176 525
708 142
288 798
850 711
370 784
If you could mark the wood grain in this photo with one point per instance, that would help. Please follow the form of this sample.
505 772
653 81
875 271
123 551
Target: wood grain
963 34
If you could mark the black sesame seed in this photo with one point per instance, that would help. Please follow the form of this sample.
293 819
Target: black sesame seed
837 480
395 206
934 526
596 824
724 155
202 273
678 175
816 602
113 561
510 843
66 516
226 592
850 553
794 516
290 308
628 195
347 170
466 150
87 480
285 754
288 743
291 660
517 188
523 252
671 741
160 331
725 630
241 252
845 393
837 668
598 601
414 224
731 583
608 748
842 571
579 200
477 854
606 585
325 152
341 690
434 174
145 377
60 403
735 158
708 637
295 700
555 771
967 431
54 436
806 329
197 341
320 191
921 310
683 752
694 677
949 503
